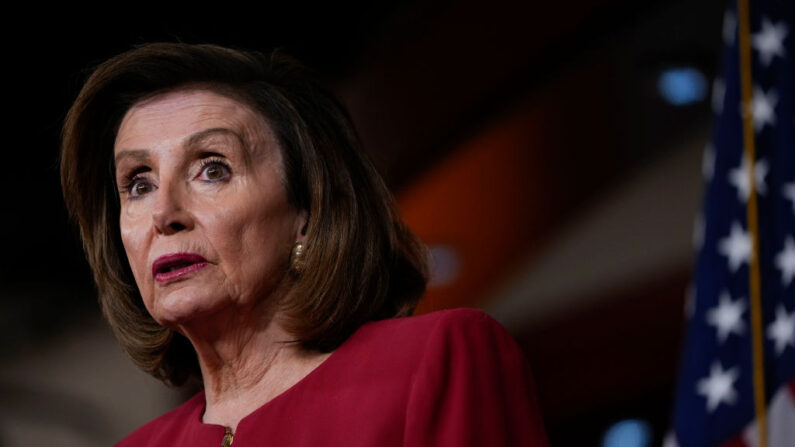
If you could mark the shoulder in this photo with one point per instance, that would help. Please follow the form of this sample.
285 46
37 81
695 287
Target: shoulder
442 336
440 323
170 424
452 326
472 386
398 348
470 335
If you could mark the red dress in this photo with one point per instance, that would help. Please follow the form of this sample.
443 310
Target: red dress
449 378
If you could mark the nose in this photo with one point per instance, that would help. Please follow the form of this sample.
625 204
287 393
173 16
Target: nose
169 214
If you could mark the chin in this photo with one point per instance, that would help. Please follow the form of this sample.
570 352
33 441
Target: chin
182 306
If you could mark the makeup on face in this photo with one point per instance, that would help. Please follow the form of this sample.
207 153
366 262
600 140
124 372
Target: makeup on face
205 220
174 266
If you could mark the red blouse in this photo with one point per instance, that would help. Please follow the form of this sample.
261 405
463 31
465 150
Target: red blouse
449 378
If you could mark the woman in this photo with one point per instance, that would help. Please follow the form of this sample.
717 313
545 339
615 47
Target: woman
240 237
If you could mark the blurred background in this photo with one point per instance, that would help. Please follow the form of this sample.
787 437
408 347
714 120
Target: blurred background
549 153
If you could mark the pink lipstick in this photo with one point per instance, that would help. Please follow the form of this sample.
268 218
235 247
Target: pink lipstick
176 265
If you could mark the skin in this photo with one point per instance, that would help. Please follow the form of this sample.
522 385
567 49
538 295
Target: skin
199 172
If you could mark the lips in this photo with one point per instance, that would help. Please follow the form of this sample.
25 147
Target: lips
176 265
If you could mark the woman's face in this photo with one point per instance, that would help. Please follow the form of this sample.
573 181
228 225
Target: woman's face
204 219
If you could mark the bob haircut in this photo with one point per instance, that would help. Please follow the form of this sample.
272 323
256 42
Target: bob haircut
360 262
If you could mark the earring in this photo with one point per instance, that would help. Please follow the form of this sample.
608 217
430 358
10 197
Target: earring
297 263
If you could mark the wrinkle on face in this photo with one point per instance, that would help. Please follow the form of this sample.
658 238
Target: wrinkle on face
244 227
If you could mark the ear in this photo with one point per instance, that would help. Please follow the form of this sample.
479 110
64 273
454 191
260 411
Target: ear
301 223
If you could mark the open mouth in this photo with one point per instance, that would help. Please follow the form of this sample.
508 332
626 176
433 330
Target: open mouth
176 265
172 267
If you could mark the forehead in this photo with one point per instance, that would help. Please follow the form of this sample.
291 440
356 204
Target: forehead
171 117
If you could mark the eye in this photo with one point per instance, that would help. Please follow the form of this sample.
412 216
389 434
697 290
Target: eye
213 170
138 186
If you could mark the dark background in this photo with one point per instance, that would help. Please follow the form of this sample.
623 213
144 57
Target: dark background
570 85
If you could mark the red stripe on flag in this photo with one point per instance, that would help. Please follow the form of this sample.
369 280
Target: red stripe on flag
736 441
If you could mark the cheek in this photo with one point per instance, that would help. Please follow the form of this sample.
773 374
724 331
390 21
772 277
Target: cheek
133 240
243 234
255 240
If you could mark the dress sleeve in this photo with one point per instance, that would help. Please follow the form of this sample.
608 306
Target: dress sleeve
473 388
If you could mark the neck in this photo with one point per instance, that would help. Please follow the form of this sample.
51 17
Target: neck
246 362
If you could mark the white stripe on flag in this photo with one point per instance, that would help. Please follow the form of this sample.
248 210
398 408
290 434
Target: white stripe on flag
780 421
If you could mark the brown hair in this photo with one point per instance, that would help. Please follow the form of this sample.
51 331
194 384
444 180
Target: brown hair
360 263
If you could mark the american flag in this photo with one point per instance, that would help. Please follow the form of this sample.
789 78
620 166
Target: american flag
714 402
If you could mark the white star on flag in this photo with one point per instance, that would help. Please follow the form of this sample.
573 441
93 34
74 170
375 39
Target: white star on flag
785 261
727 316
782 331
739 178
718 387
769 41
789 192
763 108
736 247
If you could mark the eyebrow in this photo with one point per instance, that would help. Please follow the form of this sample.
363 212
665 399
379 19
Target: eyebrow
138 154
143 154
198 137
201 135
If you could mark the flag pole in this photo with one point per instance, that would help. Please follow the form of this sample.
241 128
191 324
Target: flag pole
757 347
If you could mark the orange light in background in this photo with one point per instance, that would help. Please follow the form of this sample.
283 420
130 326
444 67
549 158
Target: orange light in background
481 207
495 199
